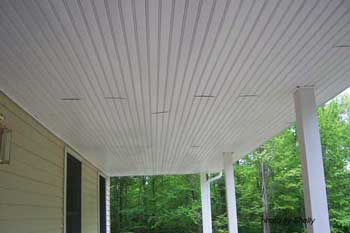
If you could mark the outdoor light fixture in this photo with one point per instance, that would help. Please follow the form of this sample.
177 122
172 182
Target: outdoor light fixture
5 143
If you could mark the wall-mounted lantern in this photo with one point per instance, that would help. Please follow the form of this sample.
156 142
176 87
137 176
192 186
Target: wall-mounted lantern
5 142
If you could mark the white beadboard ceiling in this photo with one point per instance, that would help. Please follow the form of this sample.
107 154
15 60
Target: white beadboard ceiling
144 87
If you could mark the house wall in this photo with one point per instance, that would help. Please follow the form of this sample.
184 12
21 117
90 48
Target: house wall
90 199
32 185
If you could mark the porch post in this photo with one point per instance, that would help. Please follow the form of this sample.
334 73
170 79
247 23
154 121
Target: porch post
230 193
315 196
206 206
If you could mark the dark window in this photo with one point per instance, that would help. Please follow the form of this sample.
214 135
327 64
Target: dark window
73 195
103 228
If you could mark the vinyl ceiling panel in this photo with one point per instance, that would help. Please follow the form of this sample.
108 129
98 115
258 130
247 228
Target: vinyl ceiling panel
145 87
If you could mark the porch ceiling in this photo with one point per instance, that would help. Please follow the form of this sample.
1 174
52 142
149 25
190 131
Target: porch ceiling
163 87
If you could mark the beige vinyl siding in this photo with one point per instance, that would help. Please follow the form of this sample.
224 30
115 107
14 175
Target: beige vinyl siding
90 199
32 185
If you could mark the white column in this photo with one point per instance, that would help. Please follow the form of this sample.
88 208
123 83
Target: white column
315 196
230 193
206 206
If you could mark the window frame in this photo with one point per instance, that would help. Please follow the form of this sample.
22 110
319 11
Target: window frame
98 201
71 152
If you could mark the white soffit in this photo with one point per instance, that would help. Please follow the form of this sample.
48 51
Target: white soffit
158 87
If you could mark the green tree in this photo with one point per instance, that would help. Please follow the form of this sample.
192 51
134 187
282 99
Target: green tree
268 183
335 140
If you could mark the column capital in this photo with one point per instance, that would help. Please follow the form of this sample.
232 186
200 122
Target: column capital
228 158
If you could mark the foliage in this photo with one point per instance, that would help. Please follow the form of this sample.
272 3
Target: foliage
171 204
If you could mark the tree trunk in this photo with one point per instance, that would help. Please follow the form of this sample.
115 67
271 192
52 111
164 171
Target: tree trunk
154 202
120 205
264 197
142 204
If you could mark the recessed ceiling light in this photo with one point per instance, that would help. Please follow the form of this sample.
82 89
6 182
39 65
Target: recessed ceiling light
204 96
247 96
160 112
71 99
114 98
